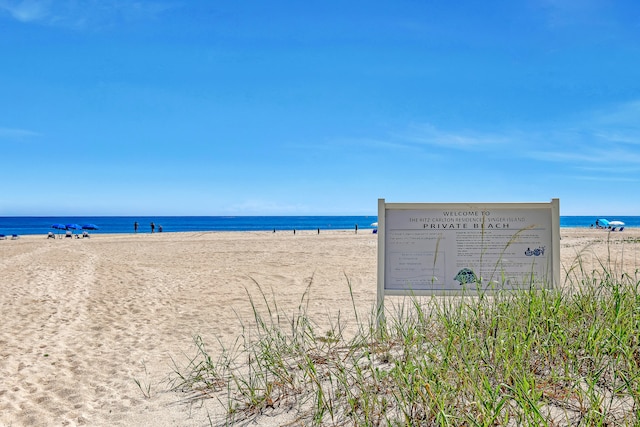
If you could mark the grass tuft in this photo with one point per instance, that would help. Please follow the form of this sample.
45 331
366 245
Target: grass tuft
541 357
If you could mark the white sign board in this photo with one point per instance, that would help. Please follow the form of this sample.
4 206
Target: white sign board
454 248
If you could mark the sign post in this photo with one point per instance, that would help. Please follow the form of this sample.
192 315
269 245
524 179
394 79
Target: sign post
466 248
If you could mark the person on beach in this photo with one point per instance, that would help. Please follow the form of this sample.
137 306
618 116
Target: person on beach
153 227
135 227
159 228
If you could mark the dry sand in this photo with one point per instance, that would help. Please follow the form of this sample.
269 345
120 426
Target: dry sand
81 319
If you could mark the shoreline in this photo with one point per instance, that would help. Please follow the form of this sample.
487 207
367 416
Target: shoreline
195 233
147 233
365 230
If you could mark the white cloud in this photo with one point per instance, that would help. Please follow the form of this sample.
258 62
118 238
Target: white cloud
607 178
606 139
619 160
429 135
369 144
7 133
566 13
27 10
618 125
267 207
81 14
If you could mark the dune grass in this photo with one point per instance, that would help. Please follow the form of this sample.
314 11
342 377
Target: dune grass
566 356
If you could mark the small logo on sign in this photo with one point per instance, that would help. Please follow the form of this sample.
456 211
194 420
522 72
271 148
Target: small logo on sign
536 252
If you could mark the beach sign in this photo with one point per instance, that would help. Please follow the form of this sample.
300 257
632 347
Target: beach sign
467 248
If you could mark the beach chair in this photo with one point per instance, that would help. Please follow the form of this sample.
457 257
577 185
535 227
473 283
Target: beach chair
2 237
69 234
51 235
14 237
621 228
85 234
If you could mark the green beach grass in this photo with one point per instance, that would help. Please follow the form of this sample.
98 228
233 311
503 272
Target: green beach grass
567 356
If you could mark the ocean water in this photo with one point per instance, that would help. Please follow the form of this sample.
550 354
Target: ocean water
124 224
588 221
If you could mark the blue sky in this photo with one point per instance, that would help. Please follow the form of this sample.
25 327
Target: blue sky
196 107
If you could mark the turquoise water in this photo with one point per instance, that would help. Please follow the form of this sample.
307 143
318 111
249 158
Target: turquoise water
124 224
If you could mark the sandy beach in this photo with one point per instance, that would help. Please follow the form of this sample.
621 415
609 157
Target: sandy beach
83 319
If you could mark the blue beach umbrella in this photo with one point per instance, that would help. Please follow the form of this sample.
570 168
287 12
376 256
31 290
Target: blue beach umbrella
73 227
59 227
90 227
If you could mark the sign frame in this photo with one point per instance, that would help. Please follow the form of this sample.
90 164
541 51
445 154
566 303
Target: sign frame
551 233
